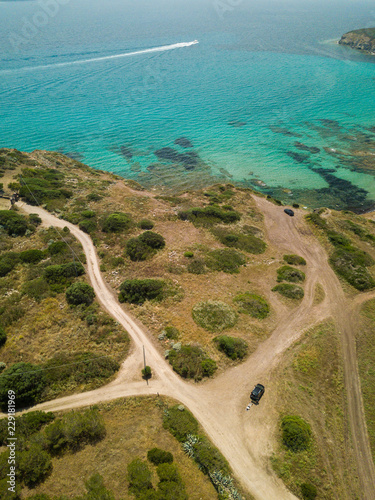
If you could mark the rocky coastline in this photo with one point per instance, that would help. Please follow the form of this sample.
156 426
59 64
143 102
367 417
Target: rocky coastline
363 40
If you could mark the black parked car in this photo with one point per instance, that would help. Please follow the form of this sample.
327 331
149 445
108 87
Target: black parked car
289 212
257 393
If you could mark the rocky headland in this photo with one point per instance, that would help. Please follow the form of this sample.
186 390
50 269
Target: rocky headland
363 40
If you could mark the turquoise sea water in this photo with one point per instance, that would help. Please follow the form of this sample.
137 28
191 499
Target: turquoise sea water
264 84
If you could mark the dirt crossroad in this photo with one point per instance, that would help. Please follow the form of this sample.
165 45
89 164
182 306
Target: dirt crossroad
219 404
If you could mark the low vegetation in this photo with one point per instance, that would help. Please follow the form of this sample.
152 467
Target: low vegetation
250 303
180 422
294 260
144 246
226 260
191 362
246 242
208 216
232 347
158 456
296 433
80 293
138 291
290 291
116 222
214 316
291 274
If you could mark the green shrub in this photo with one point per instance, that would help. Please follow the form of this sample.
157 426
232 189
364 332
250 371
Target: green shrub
80 293
308 491
96 489
291 274
94 197
146 373
138 291
116 223
214 316
14 223
209 215
246 242
191 362
88 214
234 348
209 458
34 465
37 289
79 367
252 304
180 422
189 254
169 490
3 336
74 430
315 219
339 240
57 247
226 260
26 425
294 260
88 226
296 433
60 274
8 262
289 291
196 266
26 380
138 251
351 265
171 332
146 224
139 477
158 456
168 472
35 219
31 256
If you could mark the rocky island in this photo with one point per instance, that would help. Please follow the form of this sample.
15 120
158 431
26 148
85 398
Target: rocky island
363 40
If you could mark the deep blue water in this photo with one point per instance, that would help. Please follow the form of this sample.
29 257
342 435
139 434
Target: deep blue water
263 83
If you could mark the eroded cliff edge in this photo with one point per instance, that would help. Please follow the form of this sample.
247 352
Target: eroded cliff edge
363 40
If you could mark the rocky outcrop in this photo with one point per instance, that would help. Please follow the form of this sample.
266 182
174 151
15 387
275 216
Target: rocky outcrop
363 40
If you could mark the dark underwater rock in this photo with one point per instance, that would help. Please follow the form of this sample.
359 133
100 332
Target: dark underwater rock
184 142
126 152
189 160
303 147
298 157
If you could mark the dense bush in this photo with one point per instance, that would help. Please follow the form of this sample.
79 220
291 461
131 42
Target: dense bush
146 373
191 362
289 291
180 422
351 265
26 425
168 472
214 316
80 367
116 223
226 260
26 380
57 247
209 215
196 266
88 214
34 465
171 332
146 224
158 456
35 219
139 477
60 274
252 304
88 226
138 251
37 289
153 240
3 336
74 430
14 223
315 219
8 262
294 260
94 197
247 242
138 291
308 491
209 458
31 256
296 433
80 293
291 274
234 348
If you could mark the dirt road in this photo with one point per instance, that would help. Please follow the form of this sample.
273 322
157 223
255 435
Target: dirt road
219 404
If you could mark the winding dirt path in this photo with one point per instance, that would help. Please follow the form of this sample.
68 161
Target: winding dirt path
219 404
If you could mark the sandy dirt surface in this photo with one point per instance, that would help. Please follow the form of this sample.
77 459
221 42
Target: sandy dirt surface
219 404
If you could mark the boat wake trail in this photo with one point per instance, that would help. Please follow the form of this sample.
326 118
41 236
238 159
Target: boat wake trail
163 48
